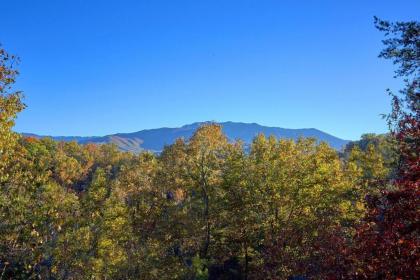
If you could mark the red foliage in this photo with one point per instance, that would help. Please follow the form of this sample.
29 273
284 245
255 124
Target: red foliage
387 244
31 139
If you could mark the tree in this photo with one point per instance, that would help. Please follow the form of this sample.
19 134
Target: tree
387 243
302 192
383 144
10 105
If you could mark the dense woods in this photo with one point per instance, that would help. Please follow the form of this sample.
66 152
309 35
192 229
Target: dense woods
206 208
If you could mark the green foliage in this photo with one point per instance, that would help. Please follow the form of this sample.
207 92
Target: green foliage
383 146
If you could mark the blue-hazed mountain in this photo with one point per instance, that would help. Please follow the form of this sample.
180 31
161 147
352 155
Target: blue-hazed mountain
155 139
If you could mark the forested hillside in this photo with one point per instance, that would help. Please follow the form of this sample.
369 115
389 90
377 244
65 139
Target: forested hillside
205 208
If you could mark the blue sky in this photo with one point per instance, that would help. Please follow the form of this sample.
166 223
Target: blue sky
100 67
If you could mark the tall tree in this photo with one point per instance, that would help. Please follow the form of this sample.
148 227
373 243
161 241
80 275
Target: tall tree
10 105
387 243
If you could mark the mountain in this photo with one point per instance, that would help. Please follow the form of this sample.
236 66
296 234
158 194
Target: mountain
155 139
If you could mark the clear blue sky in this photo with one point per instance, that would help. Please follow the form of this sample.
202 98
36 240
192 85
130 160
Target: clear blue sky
100 67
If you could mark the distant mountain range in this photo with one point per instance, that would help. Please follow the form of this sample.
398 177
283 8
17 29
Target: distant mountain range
155 139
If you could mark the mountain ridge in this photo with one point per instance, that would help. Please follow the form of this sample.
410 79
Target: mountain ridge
156 138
